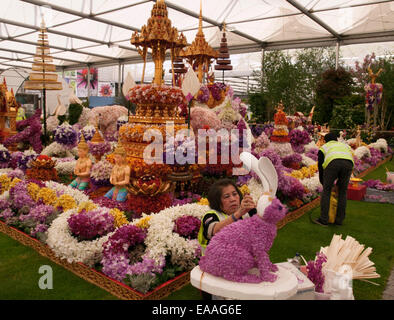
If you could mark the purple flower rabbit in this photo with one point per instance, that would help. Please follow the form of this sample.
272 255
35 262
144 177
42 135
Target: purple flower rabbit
244 245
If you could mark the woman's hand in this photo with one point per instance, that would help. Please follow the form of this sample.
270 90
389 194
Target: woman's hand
247 204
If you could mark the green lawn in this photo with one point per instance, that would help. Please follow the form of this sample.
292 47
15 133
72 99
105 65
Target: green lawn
372 224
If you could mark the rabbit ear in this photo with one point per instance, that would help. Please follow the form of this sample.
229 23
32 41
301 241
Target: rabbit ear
268 170
250 162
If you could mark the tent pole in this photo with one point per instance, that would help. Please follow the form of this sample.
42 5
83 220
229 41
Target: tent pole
337 56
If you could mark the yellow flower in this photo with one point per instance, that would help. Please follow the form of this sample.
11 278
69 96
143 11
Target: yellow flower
5 183
87 206
119 217
47 195
33 190
66 202
14 182
244 189
143 223
203 202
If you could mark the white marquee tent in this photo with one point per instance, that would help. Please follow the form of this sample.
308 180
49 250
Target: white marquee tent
97 33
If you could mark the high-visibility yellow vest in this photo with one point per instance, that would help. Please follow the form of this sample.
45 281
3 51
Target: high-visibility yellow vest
20 115
201 239
336 150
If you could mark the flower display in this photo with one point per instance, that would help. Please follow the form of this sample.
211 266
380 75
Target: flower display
5 182
99 149
92 224
57 150
47 196
66 135
68 247
162 241
203 94
116 251
52 123
60 189
314 271
119 217
154 94
38 218
42 168
65 166
292 161
187 226
86 206
380 145
146 204
5 156
379 185
23 159
374 93
298 139
121 121
19 196
88 132
65 202
362 152
312 153
29 131
305 172
262 142
101 173
143 222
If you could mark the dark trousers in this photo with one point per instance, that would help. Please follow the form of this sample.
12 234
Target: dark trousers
340 169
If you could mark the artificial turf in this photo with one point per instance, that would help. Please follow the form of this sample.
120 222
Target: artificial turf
369 223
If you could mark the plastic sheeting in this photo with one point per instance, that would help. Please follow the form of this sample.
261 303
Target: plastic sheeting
98 32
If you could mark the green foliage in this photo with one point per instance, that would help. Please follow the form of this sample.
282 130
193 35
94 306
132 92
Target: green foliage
348 112
74 112
291 78
334 84
258 107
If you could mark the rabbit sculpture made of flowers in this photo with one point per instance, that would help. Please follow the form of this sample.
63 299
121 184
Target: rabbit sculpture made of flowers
244 245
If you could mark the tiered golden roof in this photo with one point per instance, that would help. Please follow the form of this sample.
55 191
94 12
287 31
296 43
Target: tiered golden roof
82 145
159 36
200 53
43 76
97 138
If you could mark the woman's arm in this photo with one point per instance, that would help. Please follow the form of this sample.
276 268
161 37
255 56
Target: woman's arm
247 204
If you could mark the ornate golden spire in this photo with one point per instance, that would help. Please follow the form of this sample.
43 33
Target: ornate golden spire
82 143
159 36
200 20
200 54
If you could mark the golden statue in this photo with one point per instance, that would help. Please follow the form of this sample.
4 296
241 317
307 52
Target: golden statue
82 167
358 137
120 176
374 75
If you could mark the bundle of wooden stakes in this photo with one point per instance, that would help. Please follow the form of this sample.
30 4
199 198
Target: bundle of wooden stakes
349 252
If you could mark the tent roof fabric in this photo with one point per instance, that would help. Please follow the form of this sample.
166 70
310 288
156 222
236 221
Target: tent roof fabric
98 32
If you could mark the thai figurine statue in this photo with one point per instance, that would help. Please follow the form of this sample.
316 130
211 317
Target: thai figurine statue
120 176
82 167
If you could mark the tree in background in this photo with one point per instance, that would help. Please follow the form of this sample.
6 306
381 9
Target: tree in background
291 79
334 85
